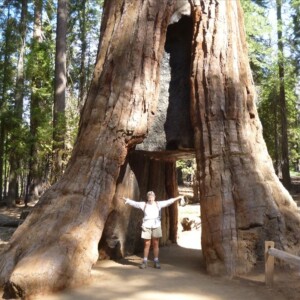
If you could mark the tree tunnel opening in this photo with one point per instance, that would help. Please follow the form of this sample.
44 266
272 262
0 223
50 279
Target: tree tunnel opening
152 164
189 213
178 126
171 131
174 101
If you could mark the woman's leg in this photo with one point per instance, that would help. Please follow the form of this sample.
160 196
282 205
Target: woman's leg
146 253
146 248
155 245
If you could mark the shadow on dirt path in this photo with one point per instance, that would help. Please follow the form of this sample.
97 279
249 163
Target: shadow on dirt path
182 277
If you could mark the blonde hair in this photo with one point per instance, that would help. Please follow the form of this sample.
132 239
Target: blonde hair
150 193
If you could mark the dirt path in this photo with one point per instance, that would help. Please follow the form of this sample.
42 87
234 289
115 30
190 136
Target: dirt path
182 277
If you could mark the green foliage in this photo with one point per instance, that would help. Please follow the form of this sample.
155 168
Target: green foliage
17 139
80 42
264 63
258 38
8 61
35 129
187 167
295 37
295 173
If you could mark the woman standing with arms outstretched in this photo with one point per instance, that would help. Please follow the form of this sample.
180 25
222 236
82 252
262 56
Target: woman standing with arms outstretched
151 226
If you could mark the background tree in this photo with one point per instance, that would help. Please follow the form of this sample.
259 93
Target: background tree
84 28
59 118
17 141
40 70
282 101
295 38
185 170
264 63
15 147
83 75
295 51
9 41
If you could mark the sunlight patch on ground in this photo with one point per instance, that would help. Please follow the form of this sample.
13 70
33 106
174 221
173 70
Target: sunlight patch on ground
174 296
189 239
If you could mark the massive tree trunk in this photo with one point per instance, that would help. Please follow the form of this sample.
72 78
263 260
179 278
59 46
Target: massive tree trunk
58 249
242 200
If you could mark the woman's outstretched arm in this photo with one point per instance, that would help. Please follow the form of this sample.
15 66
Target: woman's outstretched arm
135 204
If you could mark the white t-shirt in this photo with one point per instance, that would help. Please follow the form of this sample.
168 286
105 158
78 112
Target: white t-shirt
151 211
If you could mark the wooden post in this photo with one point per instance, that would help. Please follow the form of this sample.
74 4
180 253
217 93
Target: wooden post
269 263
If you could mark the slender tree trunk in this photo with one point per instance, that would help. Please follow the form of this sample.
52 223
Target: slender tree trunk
20 66
82 78
59 121
6 167
34 179
276 150
15 156
3 104
62 245
286 179
2 141
12 194
296 34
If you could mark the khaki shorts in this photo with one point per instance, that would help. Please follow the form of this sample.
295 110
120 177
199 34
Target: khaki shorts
148 233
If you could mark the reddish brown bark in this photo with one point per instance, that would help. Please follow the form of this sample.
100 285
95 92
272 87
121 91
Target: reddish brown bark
242 201
57 245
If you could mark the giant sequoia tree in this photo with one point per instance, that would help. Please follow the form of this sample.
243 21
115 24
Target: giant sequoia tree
242 201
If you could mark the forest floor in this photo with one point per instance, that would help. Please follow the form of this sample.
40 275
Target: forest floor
182 276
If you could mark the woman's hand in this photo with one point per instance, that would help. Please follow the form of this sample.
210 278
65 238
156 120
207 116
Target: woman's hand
124 199
182 201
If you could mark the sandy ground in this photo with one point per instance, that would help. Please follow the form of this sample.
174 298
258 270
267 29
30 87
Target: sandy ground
182 276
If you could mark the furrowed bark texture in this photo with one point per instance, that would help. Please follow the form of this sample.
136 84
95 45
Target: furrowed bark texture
57 244
242 201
